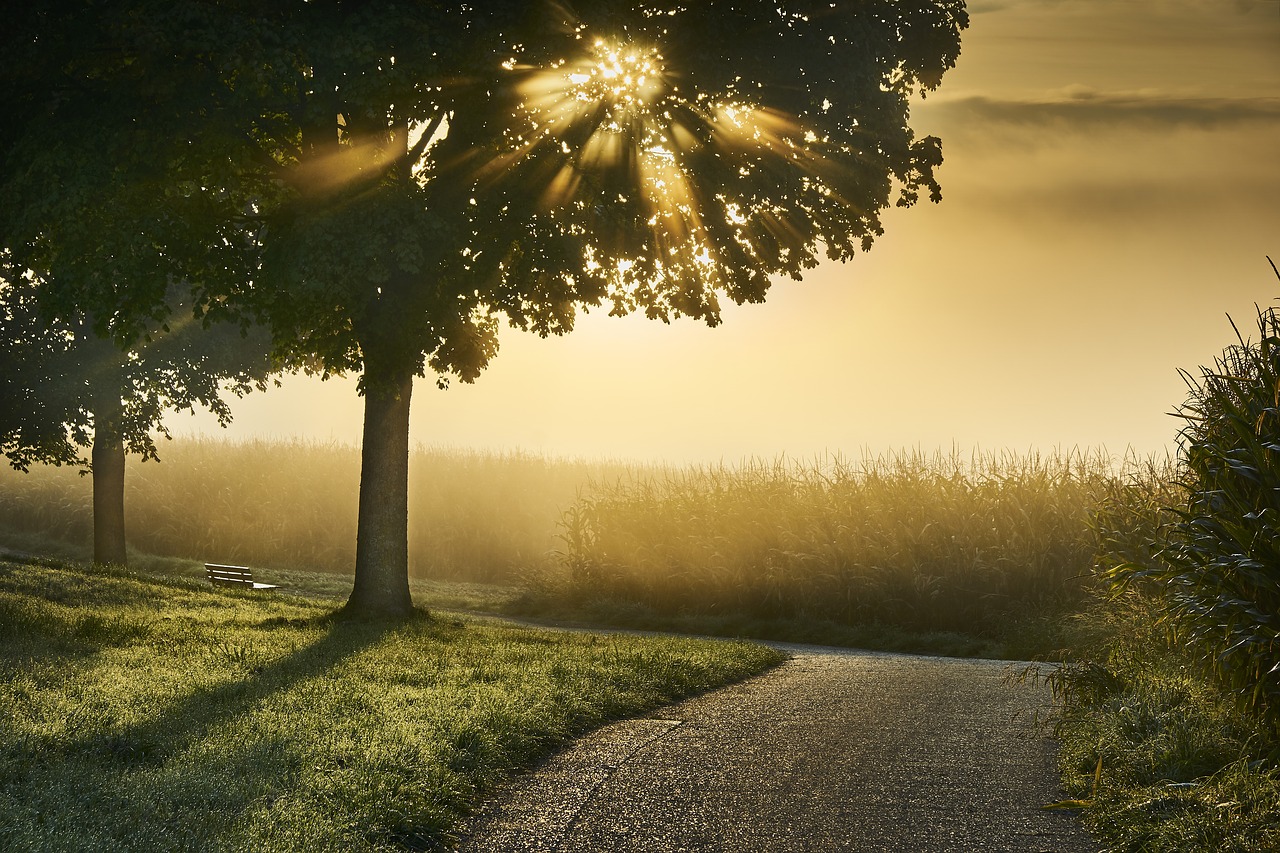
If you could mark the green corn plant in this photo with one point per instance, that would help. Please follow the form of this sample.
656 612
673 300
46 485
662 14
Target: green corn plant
1218 574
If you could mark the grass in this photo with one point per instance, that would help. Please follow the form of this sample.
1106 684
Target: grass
1038 636
145 714
1183 766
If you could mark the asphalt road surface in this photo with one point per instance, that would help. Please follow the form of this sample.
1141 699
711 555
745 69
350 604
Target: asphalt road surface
834 750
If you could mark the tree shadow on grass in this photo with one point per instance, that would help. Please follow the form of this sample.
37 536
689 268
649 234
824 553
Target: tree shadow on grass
184 776
173 730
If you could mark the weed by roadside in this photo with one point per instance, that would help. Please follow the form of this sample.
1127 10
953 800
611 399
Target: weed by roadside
1183 766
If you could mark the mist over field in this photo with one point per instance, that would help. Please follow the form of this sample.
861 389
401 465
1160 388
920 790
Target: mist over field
939 542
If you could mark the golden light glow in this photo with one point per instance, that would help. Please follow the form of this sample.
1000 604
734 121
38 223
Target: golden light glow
625 77
619 107
343 165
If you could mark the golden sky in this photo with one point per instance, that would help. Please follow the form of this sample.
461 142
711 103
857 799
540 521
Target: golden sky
1110 191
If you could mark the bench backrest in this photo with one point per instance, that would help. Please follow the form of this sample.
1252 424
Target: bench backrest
230 575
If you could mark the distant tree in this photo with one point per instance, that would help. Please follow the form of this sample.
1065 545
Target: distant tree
417 172
66 389
112 236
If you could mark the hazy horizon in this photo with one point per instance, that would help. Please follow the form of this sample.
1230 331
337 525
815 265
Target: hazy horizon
1111 191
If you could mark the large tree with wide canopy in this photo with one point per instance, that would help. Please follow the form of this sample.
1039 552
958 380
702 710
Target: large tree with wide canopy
413 173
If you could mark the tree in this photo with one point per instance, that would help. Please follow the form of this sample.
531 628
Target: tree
415 173
65 388
110 236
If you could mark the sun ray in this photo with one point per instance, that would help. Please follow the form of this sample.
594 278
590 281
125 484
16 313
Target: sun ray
611 129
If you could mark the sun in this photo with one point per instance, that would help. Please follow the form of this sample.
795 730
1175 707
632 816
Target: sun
616 116
615 91
624 76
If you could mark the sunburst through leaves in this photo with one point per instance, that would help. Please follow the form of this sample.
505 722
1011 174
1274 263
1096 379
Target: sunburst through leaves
628 140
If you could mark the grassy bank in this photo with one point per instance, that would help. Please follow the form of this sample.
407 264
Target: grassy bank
158 715
1158 755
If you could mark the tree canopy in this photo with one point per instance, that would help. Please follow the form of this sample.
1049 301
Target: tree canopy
403 177
518 160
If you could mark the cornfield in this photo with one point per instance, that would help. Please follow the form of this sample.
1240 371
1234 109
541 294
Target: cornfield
293 505
935 542
1213 561
930 542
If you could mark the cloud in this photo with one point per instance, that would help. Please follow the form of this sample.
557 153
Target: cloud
1245 7
982 7
1110 157
1087 110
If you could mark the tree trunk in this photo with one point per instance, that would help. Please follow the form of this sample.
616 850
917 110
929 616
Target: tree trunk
108 489
382 533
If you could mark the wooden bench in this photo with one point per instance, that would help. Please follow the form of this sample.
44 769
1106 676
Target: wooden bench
221 575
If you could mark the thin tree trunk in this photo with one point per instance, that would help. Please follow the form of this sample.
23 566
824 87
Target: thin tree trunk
108 490
382 533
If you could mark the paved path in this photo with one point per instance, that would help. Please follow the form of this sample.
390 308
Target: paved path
834 750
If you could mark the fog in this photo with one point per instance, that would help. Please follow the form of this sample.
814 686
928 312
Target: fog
1110 193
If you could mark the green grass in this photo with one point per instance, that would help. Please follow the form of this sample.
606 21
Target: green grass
1184 767
1020 640
145 714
